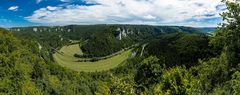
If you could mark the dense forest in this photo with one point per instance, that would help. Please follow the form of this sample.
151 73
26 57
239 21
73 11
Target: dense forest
175 61
101 40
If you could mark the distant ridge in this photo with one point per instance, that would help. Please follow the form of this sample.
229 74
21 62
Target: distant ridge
207 29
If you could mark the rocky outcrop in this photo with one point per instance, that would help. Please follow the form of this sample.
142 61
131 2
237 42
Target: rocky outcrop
123 33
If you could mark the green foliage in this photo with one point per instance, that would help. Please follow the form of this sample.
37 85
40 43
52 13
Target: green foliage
174 63
211 73
182 47
235 83
103 89
102 39
102 44
230 32
15 66
149 71
176 81
122 86
24 72
214 74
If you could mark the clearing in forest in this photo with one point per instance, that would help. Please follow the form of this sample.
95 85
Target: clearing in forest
65 57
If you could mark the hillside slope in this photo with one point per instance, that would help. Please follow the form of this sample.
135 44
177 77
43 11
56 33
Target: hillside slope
24 72
101 40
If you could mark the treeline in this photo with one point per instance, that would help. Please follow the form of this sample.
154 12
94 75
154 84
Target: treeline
180 48
204 67
172 64
102 39
105 43
25 72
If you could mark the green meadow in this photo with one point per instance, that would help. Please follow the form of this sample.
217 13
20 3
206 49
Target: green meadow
65 57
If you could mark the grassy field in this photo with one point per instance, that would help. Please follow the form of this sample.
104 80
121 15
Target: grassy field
66 59
70 50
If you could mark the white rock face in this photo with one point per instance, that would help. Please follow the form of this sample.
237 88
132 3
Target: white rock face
39 46
35 29
69 30
122 33
118 29
119 37
131 32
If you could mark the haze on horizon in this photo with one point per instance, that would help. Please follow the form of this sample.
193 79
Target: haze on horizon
195 13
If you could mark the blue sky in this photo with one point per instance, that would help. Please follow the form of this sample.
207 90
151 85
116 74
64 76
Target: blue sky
197 13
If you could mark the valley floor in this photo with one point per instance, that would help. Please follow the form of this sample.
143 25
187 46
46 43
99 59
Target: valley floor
65 57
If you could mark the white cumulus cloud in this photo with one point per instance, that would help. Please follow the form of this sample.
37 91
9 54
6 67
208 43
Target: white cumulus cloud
13 8
129 12
50 8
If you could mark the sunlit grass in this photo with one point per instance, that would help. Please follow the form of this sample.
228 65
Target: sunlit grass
66 59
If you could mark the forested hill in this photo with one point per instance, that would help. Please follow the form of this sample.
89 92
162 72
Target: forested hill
103 27
24 71
102 39
86 31
178 63
19 65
